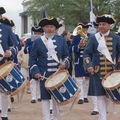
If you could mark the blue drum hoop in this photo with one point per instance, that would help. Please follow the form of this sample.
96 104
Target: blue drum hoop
73 98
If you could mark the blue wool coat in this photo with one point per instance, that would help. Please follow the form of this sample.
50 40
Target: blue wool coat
93 58
41 62
28 46
78 57
6 38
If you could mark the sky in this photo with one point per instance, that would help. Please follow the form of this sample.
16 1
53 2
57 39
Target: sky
13 8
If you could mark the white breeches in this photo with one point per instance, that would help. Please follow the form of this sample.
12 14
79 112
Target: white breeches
83 84
35 89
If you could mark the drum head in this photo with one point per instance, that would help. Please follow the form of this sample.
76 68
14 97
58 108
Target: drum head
5 69
112 80
56 79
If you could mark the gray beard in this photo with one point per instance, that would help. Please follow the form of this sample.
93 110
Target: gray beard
49 35
34 37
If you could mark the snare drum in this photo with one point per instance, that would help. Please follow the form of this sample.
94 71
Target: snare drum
111 83
62 87
11 79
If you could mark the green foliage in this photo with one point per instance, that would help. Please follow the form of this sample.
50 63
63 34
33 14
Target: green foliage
73 11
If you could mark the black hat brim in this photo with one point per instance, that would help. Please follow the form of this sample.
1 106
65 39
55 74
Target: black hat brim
8 22
95 24
84 25
53 21
37 29
2 10
108 20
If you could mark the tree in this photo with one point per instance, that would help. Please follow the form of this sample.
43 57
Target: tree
73 11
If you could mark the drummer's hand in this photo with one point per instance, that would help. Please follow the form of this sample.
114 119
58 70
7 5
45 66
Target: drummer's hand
90 70
62 66
37 76
81 44
7 53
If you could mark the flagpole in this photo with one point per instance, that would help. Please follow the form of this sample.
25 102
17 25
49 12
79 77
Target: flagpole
91 11
44 14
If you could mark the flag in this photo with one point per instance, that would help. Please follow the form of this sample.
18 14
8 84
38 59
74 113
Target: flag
92 29
44 13
92 15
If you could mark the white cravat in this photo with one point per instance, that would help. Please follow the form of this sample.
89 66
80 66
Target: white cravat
51 47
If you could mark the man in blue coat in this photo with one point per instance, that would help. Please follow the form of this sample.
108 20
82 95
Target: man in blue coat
101 54
6 37
79 41
49 53
34 84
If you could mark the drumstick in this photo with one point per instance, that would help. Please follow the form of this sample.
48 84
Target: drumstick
43 77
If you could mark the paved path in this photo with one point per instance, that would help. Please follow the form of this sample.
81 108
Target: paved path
27 111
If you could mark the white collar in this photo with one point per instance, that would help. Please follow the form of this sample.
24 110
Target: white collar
106 34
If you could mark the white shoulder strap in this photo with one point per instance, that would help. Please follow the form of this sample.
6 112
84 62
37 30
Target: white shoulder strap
102 47
44 40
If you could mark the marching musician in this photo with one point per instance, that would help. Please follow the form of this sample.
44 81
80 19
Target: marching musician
34 84
49 53
82 78
67 36
94 98
6 36
104 47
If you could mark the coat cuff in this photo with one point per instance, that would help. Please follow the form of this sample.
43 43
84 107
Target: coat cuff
33 70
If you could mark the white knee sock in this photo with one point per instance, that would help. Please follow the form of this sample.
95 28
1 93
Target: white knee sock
80 85
4 105
94 101
33 89
56 113
101 102
45 109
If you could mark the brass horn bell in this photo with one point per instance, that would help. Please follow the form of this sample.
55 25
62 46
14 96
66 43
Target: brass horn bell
77 30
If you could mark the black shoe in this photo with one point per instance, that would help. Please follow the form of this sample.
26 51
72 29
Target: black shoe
39 99
4 118
9 110
86 100
80 101
12 99
33 101
51 111
94 113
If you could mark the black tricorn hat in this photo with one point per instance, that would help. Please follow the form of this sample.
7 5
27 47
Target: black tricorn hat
85 25
2 10
12 23
52 21
95 24
105 18
8 22
37 29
